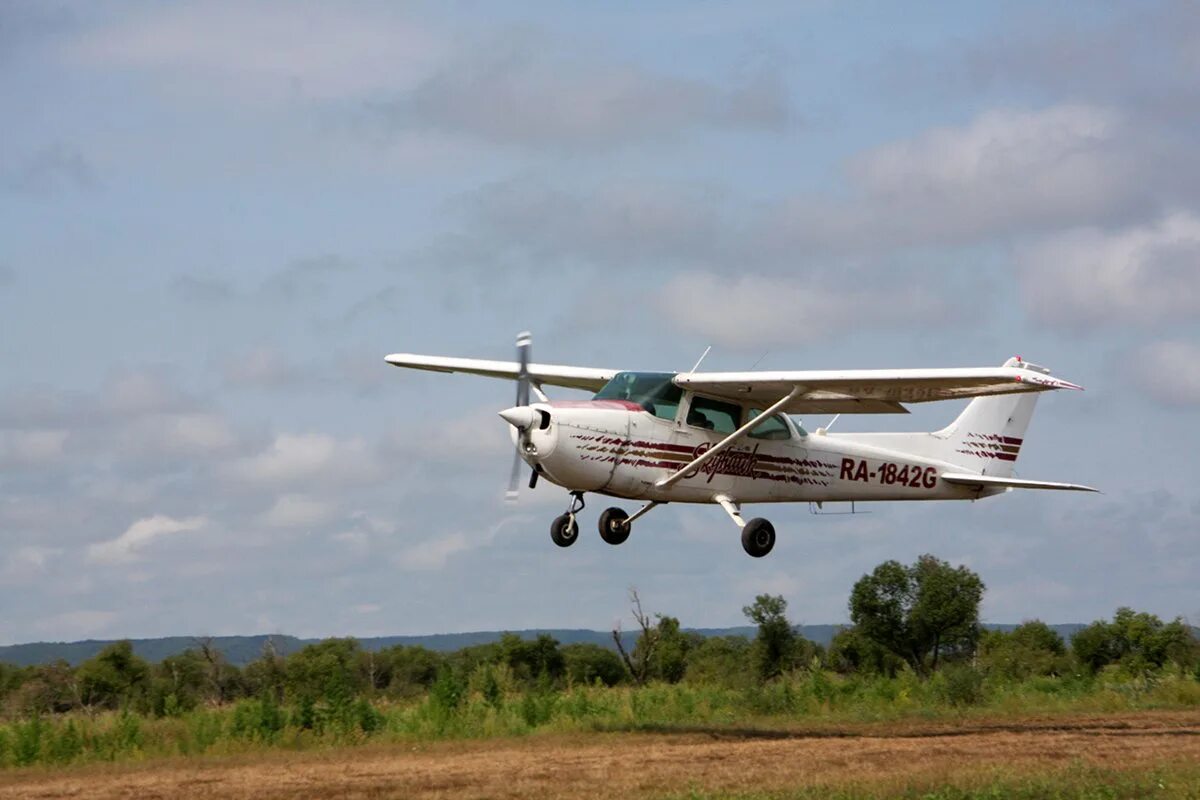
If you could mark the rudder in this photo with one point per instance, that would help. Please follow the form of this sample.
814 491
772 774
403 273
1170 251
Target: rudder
988 434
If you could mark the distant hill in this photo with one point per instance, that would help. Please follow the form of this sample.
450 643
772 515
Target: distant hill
241 650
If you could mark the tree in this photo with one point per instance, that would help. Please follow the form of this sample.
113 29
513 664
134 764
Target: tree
777 647
587 663
330 670
851 651
1032 648
919 612
222 676
1137 641
532 660
113 677
407 671
721 661
640 661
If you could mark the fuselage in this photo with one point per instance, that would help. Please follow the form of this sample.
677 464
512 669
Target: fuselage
620 448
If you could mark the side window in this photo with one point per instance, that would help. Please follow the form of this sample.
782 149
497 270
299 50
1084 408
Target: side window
713 415
774 429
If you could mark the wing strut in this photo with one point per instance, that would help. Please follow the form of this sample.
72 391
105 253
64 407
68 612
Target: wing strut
727 442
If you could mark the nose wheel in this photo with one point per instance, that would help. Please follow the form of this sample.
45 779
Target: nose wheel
564 531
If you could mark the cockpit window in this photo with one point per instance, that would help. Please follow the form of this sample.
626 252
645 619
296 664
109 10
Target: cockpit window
774 429
713 415
653 391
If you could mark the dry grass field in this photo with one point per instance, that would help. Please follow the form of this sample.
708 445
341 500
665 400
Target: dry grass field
849 760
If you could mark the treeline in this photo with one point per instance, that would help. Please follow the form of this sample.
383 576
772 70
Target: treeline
921 619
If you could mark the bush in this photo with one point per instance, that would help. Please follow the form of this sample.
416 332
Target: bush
959 685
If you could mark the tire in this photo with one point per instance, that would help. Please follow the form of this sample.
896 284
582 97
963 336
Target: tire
564 531
758 537
613 527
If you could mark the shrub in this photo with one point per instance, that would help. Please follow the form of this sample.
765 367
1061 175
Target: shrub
960 686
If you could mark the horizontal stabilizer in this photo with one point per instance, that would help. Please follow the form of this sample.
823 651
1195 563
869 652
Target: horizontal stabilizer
985 481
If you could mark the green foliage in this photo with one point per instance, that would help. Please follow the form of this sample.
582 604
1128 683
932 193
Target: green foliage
777 647
115 677
330 670
850 652
257 720
406 671
447 691
1030 649
1139 642
721 661
958 685
587 664
919 612
27 741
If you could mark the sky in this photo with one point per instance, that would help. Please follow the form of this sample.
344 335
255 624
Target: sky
217 218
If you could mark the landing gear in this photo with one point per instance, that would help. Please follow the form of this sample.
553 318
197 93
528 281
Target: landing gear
614 526
564 531
758 537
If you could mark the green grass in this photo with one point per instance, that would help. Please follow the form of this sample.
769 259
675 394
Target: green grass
803 700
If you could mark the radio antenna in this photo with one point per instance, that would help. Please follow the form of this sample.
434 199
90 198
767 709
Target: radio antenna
702 355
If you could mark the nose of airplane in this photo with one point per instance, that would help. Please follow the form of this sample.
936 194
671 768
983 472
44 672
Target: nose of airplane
521 417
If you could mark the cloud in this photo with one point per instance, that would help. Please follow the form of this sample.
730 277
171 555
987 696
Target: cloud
1145 274
295 458
144 391
1144 57
139 535
25 563
1004 175
261 368
527 221
316 51
1006 172
53 168
434 553
297 511
27 448
526 95
199 433
1169 371
753 310
202 289
306 277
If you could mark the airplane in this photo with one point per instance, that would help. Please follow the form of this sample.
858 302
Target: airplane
727 438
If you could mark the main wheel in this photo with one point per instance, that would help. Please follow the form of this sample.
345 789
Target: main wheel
758 537
564 530
613 527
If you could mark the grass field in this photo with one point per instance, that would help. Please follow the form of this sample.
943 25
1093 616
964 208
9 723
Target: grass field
1132 754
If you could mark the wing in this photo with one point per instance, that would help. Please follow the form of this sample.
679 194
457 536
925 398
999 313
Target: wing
986 481
868 391
587 378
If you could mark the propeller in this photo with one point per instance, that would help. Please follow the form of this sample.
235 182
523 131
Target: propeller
524 345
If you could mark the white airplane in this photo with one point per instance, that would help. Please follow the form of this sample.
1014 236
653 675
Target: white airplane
726 438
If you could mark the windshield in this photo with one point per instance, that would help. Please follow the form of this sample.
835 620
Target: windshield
653 391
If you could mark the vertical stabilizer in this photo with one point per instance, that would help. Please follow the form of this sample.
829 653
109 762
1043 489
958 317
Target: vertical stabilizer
987 436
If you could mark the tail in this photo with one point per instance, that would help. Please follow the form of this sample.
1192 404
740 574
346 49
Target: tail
985 439
987 436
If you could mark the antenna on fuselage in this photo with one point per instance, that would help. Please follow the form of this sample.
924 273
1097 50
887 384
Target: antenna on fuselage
696 366
825 429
